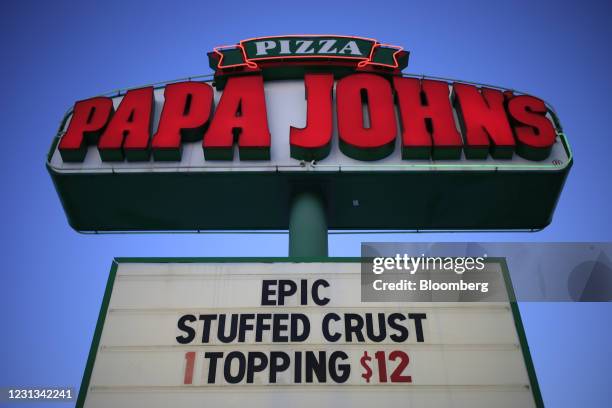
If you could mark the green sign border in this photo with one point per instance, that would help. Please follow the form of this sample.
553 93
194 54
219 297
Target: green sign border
95 344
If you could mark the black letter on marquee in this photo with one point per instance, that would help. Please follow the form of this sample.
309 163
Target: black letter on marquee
345 369
295 336
350 328
245 326
233 329
256 368
304 292
418 325
190 331
275 366
403 331
382 327
266 292
278 327
207 319
228 364
315 292
316 366
260 326
328 336
212 368
285 288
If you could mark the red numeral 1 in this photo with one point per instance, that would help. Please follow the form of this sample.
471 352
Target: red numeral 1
382 366
190 357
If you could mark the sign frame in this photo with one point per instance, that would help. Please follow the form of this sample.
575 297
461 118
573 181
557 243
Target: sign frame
533 381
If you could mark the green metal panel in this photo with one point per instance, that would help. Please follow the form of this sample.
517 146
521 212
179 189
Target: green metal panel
417 200
307 225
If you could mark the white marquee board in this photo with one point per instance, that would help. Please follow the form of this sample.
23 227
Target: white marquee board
467 354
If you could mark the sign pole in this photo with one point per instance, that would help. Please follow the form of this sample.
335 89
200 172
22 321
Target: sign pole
307 225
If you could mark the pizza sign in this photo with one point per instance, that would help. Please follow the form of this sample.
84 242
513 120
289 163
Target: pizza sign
335 112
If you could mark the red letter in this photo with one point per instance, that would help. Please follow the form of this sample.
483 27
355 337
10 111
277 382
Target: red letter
358 139
314 141
187 109
241 115
129 128
535 134
427 119
484 122
89 118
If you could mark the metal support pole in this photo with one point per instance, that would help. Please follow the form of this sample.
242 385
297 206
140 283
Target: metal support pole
307 225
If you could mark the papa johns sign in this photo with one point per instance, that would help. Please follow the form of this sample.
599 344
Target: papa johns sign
333 113
437 120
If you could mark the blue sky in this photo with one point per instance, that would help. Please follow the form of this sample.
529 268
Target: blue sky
54 53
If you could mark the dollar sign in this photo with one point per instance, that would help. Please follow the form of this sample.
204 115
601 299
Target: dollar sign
364 363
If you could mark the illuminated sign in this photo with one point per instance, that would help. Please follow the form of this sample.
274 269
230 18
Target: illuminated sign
388 150
292 56
254 53
493 122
